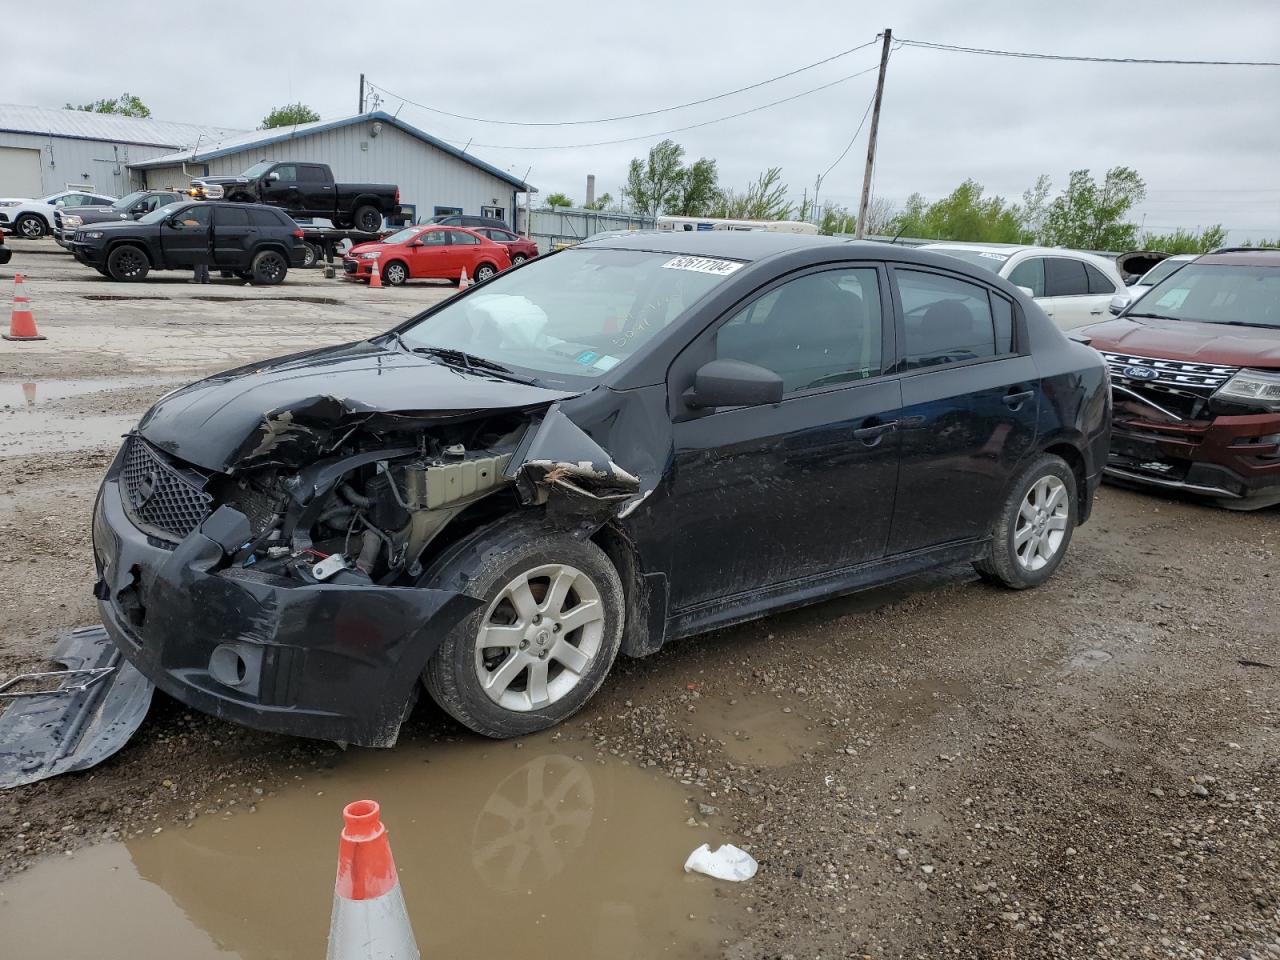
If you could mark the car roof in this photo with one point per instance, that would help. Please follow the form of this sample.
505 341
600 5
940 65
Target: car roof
1009 249
1263 257
731 244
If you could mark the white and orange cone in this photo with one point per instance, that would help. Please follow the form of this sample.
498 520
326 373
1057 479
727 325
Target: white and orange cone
370 921
22 324
464 281
375 277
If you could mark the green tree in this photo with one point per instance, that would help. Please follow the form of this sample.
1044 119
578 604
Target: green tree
289 115
697 192
602 202
126 105
965 214
1035 207
1182 240
1264 242
558 200
654 184
1091 216
766 199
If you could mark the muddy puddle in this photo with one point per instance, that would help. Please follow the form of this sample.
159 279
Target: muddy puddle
541 851
321 301
47 416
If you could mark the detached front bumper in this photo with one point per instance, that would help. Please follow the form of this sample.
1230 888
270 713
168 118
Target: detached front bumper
330 661
1235 459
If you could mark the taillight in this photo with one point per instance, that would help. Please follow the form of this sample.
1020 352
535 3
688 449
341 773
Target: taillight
298 233
397 200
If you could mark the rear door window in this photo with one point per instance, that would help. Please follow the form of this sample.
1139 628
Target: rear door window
946 320
1065 278
1029 274
230 217
459 237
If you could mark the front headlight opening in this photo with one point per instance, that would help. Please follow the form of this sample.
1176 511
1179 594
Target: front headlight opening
94 234
373 255
1253 388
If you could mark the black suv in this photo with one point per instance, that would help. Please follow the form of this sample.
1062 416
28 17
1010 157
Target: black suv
255 242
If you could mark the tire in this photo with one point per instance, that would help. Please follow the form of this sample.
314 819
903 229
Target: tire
395 273
1030 536
128 263
518 259
485 271
244 275
30 226
269 268
367 218
310 255
491 564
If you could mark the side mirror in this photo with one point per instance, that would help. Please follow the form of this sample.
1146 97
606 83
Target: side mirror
415 242
273 176
1028 291
60 203
1119 303
733 383
138 211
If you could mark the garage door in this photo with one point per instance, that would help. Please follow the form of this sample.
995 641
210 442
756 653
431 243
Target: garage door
20 172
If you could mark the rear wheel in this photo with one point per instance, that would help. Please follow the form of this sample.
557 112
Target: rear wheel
1031 535
395 273
31 226
269 268
485 271
128 263
367 218
544 637
518 259
309 255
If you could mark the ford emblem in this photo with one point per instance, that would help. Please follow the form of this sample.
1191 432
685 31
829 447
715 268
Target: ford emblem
1140 373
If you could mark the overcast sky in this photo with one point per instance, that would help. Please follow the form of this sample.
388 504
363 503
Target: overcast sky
1205 139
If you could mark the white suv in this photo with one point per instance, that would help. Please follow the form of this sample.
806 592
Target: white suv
1073 288
33 219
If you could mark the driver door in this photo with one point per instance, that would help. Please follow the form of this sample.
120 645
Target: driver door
185 237
429 259
282 191
778 494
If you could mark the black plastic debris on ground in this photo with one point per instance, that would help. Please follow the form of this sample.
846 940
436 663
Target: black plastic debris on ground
88 716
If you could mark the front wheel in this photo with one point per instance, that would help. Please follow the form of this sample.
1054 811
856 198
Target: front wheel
1030 536
546 633
485 271
269 268
31 226
395 273
128 263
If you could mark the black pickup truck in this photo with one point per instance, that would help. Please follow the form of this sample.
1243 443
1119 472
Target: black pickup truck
256 243
305 190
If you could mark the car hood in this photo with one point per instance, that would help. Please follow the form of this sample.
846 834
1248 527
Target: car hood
220 180
97 214
293 410
360 248
1184 340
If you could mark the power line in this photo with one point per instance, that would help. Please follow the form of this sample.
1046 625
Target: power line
987 52
663 133
628 116
849 146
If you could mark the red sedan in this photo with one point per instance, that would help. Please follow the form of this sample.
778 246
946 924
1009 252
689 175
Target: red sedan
520 248
427 252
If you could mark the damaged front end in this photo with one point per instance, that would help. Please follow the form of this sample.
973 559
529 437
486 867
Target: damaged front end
285 585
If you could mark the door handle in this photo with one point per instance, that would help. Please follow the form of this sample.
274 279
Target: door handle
870 435
1014 401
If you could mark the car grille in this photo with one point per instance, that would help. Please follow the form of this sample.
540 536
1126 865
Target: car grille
349 266
159 495
1178 386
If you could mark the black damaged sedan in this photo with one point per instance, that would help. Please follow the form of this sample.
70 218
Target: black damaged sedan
630 441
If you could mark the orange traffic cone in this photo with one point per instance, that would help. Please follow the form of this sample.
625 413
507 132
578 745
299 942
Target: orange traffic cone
22 325
464 281
370 921
375 277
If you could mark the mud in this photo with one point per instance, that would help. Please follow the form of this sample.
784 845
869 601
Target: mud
50 415
938 769
502 849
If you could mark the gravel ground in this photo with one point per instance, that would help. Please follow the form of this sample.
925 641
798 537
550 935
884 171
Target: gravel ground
937 769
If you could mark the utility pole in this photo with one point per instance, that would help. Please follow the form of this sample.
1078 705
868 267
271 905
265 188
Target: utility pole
860 229
362 94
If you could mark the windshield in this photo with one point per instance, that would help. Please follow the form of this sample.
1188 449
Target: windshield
577 313
258 169
1216 293
160 214
124 203
1162 270
402 236
987 259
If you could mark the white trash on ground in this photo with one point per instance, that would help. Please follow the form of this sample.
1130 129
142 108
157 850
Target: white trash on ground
726 863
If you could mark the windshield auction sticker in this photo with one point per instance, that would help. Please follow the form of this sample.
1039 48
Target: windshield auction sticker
720 268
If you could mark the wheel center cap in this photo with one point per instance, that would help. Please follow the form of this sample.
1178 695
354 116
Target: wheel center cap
542 637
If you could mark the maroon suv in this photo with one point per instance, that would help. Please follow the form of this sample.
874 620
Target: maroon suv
1195 380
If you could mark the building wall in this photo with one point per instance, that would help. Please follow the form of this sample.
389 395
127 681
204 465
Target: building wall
428 177
97 164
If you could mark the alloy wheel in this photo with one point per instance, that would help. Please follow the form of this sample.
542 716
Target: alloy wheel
31 228
1042 521
395 275
484 272
538 637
